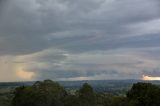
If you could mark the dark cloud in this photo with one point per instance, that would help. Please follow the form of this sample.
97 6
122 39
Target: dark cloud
78 27
25 25
84 44
2 5
64 74
57 74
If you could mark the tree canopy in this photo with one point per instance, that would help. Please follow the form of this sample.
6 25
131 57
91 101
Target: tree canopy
50 93
145 94
46 93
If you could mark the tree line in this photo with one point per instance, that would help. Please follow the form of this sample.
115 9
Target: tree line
50 93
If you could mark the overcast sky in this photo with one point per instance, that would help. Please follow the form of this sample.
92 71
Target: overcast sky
79 39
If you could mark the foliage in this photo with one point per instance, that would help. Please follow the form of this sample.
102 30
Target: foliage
145 94
49 93
86 95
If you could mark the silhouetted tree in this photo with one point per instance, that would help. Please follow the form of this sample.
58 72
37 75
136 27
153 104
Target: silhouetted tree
72 100
86 95
144 94
46 93
49 93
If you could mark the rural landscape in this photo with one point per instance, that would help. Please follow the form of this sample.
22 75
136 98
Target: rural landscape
79 52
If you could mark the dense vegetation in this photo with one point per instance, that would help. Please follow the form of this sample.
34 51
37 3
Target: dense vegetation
49 93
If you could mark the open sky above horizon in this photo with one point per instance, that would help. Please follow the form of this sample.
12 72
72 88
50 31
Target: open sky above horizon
79 39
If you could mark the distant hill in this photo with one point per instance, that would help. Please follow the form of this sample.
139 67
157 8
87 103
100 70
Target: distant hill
98 85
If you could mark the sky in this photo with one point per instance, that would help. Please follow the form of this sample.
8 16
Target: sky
79 39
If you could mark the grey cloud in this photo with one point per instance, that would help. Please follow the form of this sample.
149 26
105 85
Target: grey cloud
56 74
87 44
24 28
76 27
153 73
60 74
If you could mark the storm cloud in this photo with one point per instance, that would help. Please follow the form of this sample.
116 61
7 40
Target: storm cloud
76 39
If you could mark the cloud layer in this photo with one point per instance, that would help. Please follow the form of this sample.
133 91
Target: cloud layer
79 39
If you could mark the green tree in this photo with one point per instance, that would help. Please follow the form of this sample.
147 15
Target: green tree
102 99
118 101
144 94
86 95
46 93
72 100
